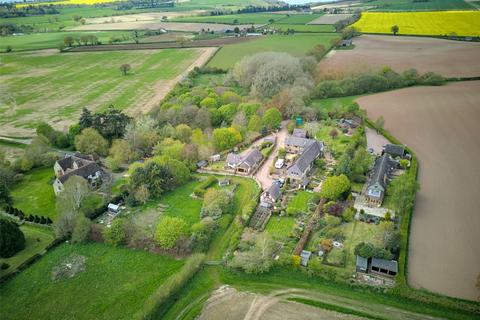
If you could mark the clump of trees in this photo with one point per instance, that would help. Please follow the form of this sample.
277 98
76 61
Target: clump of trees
216 202
335 187
12 239
256 255
368 250
384 80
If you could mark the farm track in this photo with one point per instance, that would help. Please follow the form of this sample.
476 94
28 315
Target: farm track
164 45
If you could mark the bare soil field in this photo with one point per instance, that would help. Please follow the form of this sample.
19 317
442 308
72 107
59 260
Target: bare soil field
149 25
441 125
147 16
330 18
446 57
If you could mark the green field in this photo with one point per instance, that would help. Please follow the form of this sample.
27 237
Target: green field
245 18
304 28
409 5
36 239
54 39
297 44
34 194
300 201
114 285
300 18
55 87
279 227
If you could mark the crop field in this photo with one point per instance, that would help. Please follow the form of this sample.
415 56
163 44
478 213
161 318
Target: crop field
297 44
304 27
444 246
300 18
49 40
462 23
245 18
34 194
53 87
409 5
330 18
113 285
448 58
36 239
70 2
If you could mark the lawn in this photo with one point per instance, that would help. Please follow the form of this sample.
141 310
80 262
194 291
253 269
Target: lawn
337 145
315 28
34 194
54 87
114 285
36 239
300 201
279 227
54 39
462 23
331 104
297 44
244 18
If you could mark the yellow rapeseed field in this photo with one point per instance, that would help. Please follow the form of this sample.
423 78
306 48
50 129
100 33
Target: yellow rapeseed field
463 23
66 2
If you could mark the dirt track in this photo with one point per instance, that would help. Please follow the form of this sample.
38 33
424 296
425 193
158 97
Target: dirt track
441 125
446 57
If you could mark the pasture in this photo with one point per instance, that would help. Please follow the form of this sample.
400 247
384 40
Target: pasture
304 27
53 87
297 45
34 193
445 57
330 18
461 23
114 284
444 239
244 18
152 25
300 18
37 238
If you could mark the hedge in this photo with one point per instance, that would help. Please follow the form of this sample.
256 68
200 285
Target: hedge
204 185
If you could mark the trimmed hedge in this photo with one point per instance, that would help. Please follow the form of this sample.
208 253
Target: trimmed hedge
204 185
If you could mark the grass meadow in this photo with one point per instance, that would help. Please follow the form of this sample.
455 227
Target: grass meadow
297 44
54 87
114 285
462 23
300 18
244 18
34 194
305 27
36 239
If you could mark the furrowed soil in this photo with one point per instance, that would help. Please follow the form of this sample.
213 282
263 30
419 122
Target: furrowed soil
440 124
446 57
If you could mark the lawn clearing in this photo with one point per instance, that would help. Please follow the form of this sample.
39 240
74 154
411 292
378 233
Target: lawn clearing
300 201
113 286
279 227
373 52
53 87
443 261
37 238
34 194
462 23
297 44
304 28
337 145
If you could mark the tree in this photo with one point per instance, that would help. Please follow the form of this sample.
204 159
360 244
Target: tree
12 239
272 118
226 138
120 153
169 231
402 191
86 119
169 147
368 250
5 197
125 68
183 132
81 230
335 187
255 123
379 123
333 133
75 191
116 234
395 30
215 203
90 141
68 41
258 259
64 225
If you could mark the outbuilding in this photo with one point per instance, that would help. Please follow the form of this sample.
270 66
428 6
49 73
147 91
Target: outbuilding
305 257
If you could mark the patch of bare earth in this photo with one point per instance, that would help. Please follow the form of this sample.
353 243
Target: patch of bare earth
163 87
440 124
446 57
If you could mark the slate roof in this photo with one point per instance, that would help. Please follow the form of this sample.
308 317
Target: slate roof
233 159
390 265
299 133
305 255
394 149
362 263
65 163
253 158
380 171
85 171
274 191
298 142
309 155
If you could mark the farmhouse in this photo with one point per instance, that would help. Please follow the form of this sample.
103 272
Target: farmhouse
304 163
394 150
271 195
297 145
379 179
76 166
244 164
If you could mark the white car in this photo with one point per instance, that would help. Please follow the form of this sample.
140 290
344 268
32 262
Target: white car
279 164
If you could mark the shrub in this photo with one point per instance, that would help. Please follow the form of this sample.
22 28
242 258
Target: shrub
116 234
4 266
292 211
169 231
348 214
82 229
335 187
368 250
12 239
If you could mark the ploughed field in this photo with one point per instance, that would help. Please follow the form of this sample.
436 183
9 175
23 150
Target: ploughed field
445 57
440 124
53 87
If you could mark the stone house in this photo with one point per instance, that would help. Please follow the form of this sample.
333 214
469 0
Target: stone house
244 164
304 163
379 179
76 166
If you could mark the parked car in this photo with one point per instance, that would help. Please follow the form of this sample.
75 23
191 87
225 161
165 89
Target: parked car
279 164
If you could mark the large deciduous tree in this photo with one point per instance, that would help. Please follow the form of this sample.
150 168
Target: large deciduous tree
90 141
335 187
226 138
272 118
12 239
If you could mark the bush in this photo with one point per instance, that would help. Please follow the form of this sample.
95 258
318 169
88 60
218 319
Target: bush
292 211
169 231
4 266
81 230
368 250
348 214
116 234
12 239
